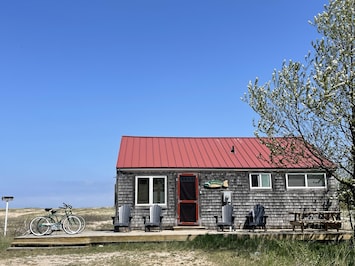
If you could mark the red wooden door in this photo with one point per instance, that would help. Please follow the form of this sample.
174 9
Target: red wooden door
187 198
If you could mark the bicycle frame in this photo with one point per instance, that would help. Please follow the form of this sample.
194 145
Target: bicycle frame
55 219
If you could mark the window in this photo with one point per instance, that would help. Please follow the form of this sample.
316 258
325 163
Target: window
151 190
296 180
306 180
316 180
262 180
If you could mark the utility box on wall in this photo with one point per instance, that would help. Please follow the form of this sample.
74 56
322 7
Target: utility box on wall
226 197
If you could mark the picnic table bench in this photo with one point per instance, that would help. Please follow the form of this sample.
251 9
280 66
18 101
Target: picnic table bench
316 219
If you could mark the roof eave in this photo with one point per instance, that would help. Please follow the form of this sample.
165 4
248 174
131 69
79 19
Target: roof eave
218 169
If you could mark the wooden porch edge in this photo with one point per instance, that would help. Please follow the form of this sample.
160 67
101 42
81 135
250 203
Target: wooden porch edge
108 237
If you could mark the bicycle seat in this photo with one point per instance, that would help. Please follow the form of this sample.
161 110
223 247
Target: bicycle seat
48 209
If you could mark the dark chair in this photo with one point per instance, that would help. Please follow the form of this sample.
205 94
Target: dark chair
256 218
155 218
123 219
227 218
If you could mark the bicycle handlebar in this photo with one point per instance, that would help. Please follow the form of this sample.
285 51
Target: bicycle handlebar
67 206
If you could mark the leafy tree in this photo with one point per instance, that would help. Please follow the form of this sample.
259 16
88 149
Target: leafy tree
314 101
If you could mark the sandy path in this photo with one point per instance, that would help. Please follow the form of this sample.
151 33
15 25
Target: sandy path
174 258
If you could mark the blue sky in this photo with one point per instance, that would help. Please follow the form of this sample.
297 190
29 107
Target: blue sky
77 75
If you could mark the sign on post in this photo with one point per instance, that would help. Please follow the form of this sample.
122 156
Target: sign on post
7 199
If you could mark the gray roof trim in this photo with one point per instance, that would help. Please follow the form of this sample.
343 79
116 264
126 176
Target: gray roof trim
222 169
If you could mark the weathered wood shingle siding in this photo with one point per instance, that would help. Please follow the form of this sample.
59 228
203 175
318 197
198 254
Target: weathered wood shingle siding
125 189
278 201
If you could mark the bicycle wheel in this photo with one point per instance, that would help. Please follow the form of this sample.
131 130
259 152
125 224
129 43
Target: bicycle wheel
83 223
71 225
40 226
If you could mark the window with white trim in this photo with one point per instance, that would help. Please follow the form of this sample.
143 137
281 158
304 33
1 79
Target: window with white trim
311 180
260 180
151 190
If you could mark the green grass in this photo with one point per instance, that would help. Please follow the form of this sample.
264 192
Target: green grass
247 251
220 250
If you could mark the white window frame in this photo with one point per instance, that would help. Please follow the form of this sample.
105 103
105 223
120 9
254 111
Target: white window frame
259 181
306 181
150 200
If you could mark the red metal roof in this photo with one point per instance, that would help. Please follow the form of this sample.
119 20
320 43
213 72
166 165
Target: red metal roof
196 152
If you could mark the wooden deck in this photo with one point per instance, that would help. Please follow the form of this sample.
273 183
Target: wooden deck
87 238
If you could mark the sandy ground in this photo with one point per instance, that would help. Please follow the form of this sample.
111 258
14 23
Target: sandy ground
114 258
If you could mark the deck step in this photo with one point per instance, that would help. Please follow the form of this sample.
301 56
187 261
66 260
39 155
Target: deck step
188 227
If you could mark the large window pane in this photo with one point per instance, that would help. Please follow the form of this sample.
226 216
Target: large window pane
158 190
316 180
143 191
265 180
296 180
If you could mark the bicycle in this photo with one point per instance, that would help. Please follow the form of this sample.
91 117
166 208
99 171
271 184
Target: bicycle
45 225
69 209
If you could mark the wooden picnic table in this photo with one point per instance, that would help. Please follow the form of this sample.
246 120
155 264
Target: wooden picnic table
316 219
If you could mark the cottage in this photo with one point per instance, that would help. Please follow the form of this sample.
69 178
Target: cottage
191 178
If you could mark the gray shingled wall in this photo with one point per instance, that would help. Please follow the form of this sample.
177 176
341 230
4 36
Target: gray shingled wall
278 201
